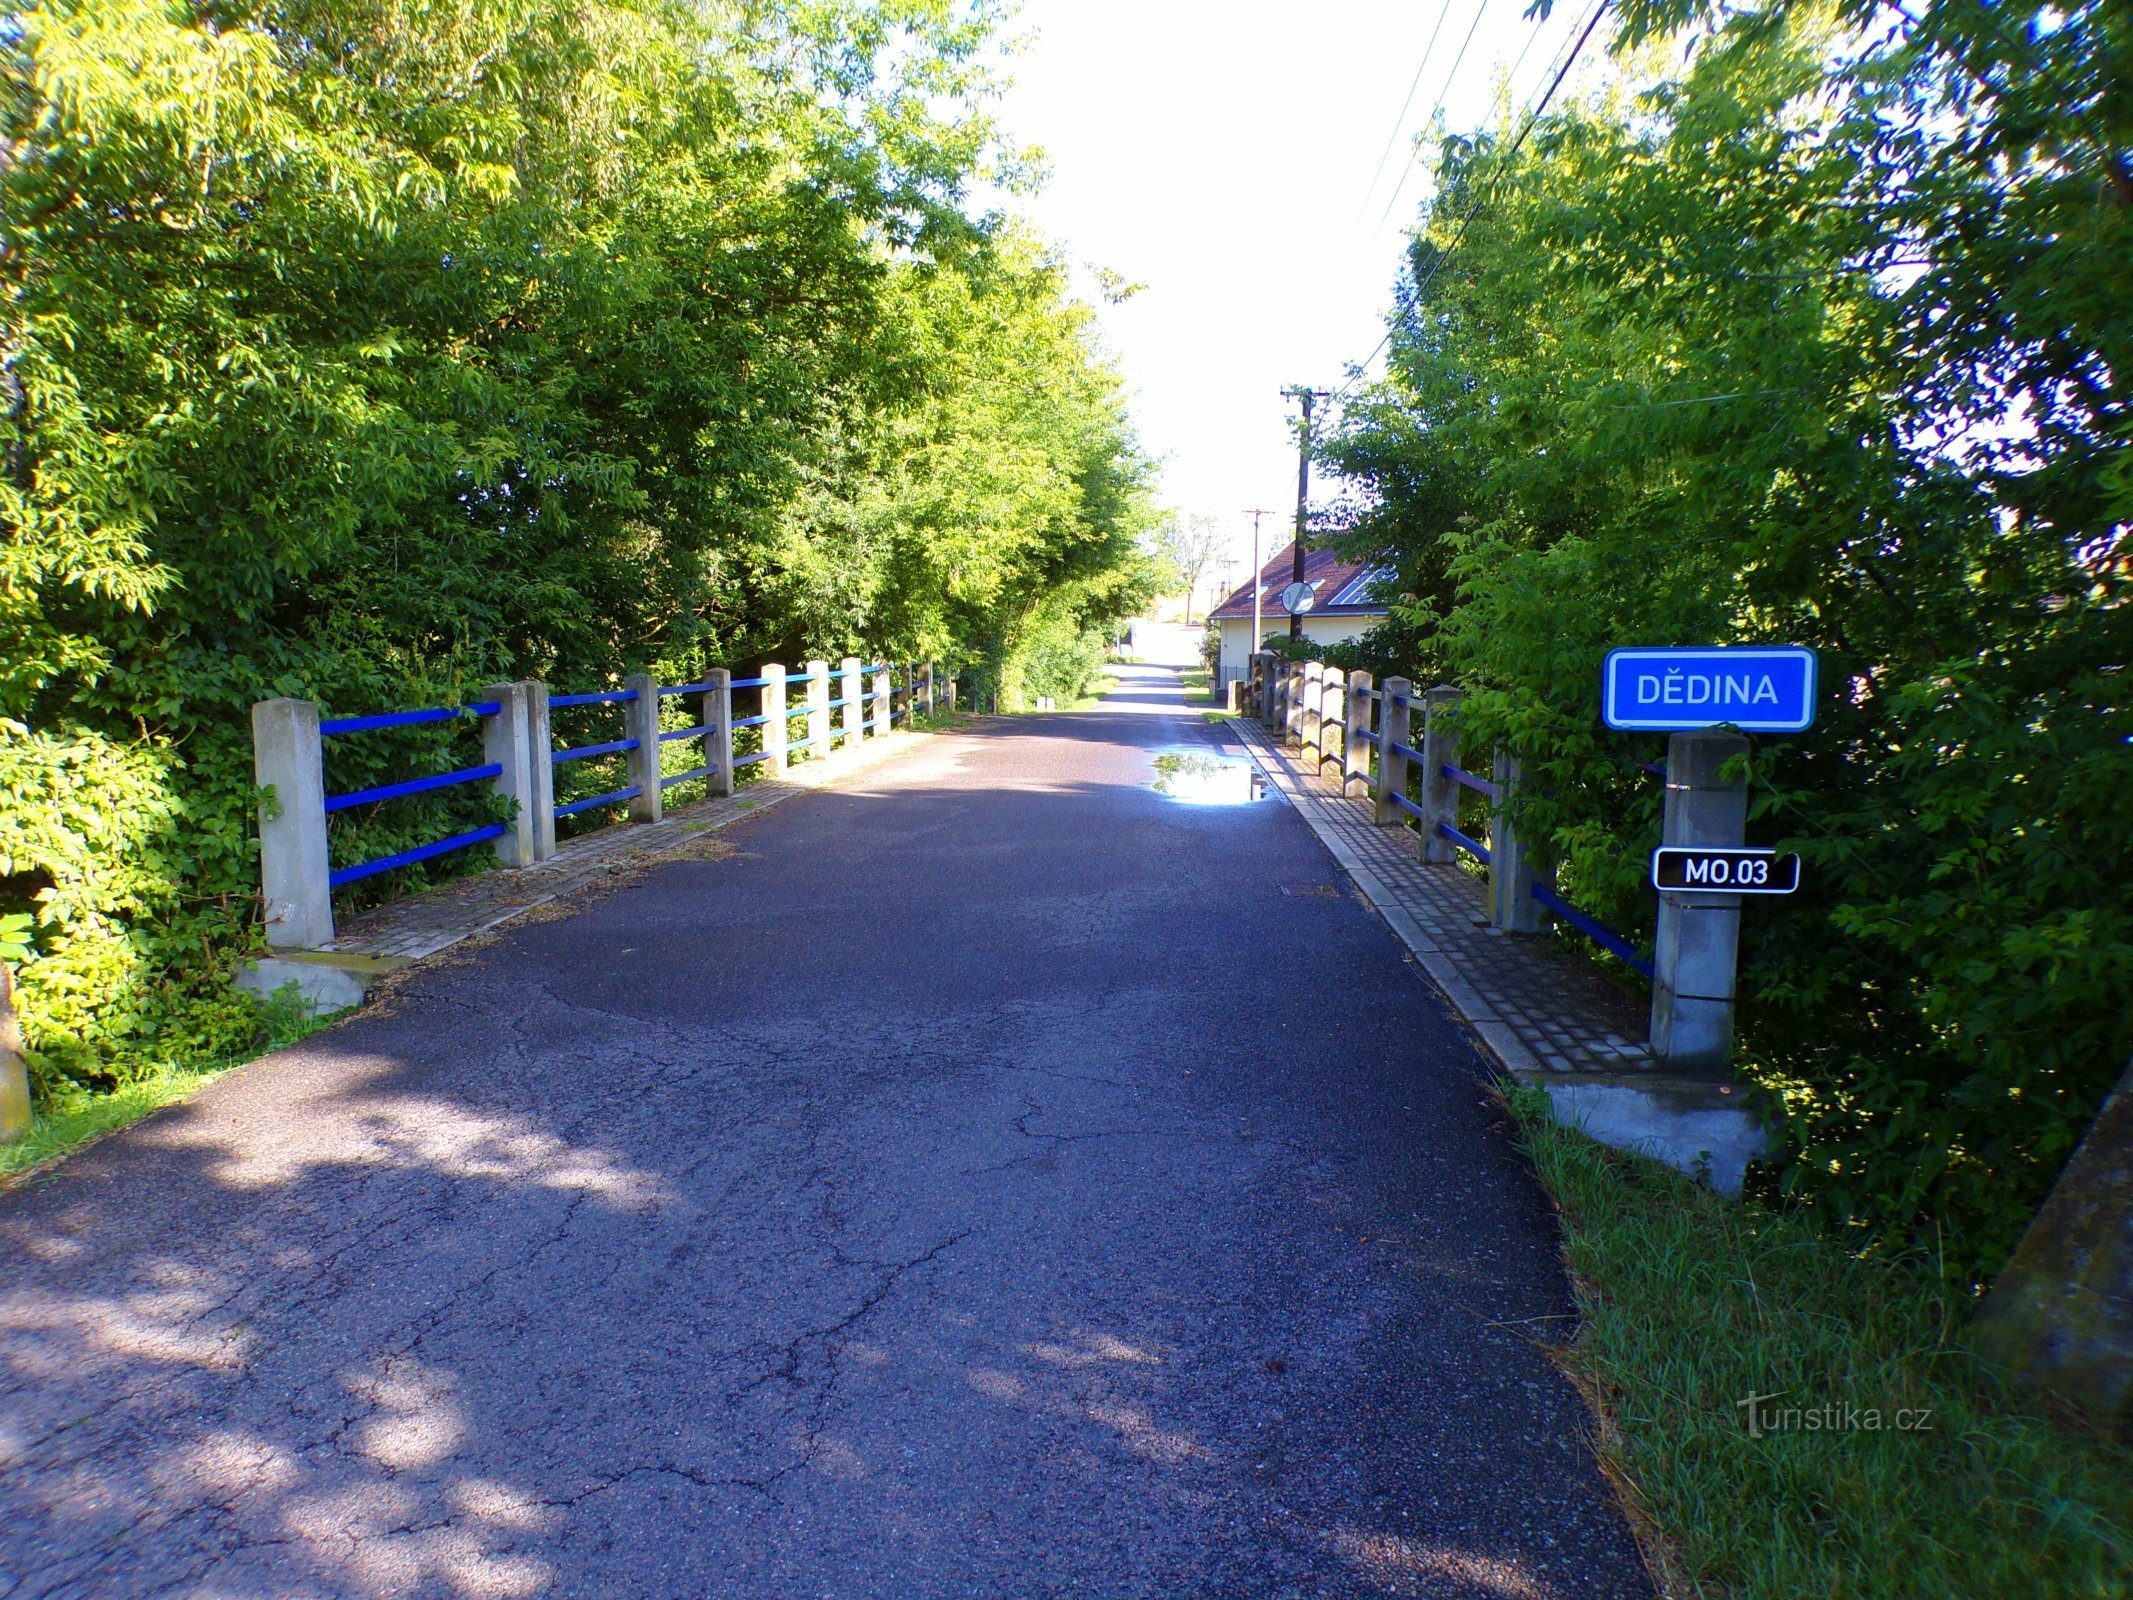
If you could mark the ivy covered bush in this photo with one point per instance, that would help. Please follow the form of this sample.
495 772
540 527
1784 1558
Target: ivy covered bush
373 352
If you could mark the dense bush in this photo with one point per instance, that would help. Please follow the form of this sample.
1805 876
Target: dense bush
1819 338
373 352
1062 659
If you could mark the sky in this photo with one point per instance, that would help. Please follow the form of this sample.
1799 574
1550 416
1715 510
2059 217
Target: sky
1223 155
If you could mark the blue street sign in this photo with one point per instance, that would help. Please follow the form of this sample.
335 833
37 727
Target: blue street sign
1756 688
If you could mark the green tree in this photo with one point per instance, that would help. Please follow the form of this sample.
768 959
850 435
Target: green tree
373 351
1819 338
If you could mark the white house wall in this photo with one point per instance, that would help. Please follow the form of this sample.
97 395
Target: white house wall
1237 635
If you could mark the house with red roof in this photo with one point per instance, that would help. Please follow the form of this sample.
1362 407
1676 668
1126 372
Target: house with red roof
1344 604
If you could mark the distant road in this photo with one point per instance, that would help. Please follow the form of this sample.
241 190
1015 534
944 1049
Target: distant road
1168 644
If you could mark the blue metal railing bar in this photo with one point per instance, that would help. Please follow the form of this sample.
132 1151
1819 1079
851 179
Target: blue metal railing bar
1408 806
749 722
1370 738
330 726
585 751
407 858
393 791
685 733
1461 776
593 802
749 761
1655 768
1473 847
1606 938
684 688
747 683
799 744
798 677
834 704
607 697
685 777
1400 749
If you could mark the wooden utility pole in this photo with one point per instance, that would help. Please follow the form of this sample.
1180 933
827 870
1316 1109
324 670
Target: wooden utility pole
1309 397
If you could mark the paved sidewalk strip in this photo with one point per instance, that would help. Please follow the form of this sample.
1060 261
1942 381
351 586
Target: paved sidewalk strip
1539 1010
420 925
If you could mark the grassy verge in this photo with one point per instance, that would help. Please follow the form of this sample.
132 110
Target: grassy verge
1200 696
1097 690
59 1129
1880 1464
1081 702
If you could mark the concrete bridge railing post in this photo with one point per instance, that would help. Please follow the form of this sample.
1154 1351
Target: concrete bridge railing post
15 1115
540 767
926 691
505 743
295 884
773 730
1695 953
1293 703
1314 710
1355 767
716 717
1270 711
1332 717
640 721
1392 766
1440 749
853 697
818 710
1511 868
884 705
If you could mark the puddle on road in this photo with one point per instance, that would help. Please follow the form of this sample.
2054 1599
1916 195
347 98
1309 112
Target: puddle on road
1202 778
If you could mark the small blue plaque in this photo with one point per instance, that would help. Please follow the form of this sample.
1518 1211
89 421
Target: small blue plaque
1756 688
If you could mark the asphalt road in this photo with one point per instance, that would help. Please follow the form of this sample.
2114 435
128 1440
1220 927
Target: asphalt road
997 1179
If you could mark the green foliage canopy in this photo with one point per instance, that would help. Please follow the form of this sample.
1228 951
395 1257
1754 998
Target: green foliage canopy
1817 332
376 350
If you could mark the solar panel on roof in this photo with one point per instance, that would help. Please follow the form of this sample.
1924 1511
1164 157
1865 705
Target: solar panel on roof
1361 590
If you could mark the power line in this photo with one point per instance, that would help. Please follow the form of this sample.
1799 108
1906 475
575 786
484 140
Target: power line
1518 143
1525 50
1399 122
1533 116
1532 38
1449 78
1532 113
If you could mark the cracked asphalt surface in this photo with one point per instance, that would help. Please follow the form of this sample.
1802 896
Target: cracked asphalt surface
994 1180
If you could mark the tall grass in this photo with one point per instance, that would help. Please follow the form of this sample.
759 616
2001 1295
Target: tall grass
1789 1420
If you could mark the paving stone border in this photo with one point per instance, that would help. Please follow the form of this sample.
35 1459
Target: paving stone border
1546 1017
1535 1007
